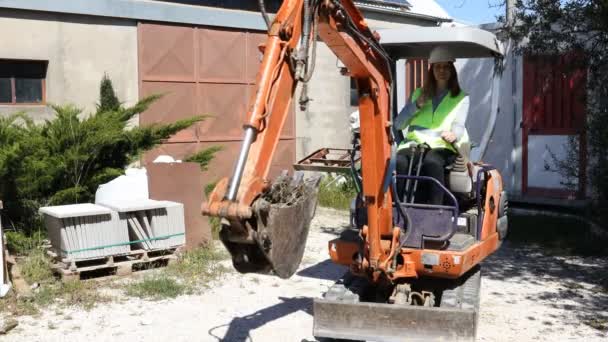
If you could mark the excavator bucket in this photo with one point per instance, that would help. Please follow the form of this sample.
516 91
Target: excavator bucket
342 315
279 228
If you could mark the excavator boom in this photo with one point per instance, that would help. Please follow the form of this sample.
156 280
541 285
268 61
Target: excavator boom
238 199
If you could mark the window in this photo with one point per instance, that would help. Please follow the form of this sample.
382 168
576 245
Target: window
22 82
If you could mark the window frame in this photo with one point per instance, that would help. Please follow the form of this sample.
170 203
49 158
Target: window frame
14 88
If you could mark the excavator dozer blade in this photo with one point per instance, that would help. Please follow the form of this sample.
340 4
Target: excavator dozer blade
392 323
342 315
282 218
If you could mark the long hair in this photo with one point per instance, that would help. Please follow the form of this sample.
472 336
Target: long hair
430 86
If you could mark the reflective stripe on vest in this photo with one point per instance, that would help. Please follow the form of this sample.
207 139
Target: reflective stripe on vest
426 126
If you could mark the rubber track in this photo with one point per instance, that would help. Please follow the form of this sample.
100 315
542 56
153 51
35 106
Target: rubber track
465 295
347 289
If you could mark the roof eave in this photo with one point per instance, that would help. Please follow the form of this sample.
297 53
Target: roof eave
404 14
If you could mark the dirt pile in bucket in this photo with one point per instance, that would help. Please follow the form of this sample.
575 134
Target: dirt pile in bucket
287 192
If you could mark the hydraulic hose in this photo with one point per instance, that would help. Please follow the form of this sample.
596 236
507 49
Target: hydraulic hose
264 13
305 31
406 219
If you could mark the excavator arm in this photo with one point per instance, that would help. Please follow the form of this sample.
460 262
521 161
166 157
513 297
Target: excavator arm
263 236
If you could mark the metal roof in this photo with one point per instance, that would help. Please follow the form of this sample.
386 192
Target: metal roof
417 42
388 4
429 8
425 9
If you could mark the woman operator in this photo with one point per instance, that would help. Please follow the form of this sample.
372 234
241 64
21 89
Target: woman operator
435 115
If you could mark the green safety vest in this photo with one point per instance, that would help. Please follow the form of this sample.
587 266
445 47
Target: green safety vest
426 126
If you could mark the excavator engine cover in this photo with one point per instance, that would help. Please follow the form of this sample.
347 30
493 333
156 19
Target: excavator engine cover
279 228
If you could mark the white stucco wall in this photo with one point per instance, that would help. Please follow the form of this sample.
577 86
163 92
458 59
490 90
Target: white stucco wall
79 50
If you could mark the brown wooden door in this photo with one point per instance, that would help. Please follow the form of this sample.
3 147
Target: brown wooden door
204 71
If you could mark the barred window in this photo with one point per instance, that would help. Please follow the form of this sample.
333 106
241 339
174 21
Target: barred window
22 81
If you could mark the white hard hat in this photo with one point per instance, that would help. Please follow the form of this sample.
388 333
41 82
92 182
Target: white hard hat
441 54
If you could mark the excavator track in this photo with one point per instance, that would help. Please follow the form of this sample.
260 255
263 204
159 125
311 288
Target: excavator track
465 295
342 315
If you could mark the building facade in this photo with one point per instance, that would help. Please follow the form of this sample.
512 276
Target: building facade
202 55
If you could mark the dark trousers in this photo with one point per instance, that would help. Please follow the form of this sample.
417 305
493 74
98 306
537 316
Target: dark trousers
433 165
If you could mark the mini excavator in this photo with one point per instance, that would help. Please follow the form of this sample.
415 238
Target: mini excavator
414 267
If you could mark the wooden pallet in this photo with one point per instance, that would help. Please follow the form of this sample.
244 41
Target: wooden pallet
119 265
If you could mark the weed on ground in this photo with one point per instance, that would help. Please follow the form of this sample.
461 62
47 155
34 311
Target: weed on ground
199 266
81 294
156 287
36 267
193 271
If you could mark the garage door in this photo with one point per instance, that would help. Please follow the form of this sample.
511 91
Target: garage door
208 71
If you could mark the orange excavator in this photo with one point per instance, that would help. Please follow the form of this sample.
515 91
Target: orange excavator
414 267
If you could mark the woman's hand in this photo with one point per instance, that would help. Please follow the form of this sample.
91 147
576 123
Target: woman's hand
448 136
420 101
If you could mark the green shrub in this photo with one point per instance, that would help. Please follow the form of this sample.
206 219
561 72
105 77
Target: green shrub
64 160
108 101
20 244
336 194
214 222
204 157
573 29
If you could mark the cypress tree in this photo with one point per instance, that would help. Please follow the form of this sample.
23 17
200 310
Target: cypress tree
108 101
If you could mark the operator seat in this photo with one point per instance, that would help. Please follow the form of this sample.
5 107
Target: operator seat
461 173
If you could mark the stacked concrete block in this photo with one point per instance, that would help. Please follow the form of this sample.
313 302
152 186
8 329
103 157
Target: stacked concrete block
151 224
176 224
85 231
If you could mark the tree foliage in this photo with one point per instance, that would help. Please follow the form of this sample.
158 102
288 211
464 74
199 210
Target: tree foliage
546 27
108 101
65 159
204 157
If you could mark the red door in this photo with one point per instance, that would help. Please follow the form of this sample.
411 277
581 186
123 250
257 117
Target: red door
554 108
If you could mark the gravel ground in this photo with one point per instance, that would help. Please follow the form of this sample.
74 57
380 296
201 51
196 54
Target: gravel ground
526 296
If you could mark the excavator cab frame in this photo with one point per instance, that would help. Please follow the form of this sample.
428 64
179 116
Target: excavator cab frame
440 299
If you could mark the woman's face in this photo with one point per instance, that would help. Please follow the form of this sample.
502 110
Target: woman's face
442 71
